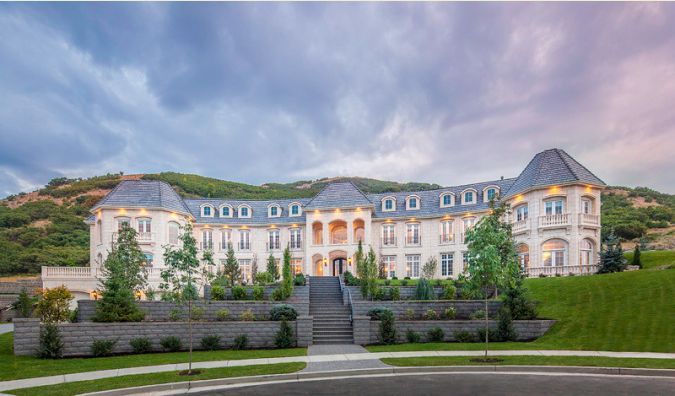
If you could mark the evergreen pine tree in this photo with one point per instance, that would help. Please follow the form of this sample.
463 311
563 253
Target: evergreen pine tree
272 267
231 271
611 257
360 262
24 304
636 257
287 281
371 273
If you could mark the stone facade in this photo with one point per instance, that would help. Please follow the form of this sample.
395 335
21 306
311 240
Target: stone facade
366 331
407 292
464 308
79 337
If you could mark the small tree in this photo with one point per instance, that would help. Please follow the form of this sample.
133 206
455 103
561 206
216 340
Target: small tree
54 305
231 272
611 257
429 268
254 269
360 262
381 269
24 304
272 267
636 256
287 281
371 273
491 256
123 273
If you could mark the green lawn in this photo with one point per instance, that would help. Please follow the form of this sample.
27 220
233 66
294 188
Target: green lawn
75 388
16 367
630 311
535 360
654 258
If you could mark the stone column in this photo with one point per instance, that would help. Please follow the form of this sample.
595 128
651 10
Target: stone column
303 330
361 326
26 336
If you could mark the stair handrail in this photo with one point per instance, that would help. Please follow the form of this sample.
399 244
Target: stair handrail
349 297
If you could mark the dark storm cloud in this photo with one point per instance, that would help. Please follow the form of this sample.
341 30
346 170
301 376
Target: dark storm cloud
446 93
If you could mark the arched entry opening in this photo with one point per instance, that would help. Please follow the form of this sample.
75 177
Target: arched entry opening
318 265
337 231
523 256
338 262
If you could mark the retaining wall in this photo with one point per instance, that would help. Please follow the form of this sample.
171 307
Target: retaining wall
407 292
366 331
464 308
79 337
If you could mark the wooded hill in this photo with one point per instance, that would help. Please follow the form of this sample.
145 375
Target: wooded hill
46 227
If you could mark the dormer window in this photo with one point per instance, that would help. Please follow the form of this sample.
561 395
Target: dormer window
447 199
388 204
225 211
468 197
274 211
207 211
490 193
412 202
245 211
294 210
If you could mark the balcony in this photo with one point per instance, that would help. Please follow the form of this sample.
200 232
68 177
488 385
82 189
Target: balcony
562 270
445 239
556 220
520 226
389 241
88 273
589 220
141 237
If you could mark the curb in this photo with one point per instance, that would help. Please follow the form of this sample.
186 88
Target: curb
213 384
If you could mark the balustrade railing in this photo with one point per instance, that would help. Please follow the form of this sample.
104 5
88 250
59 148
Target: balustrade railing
589 219
520 225
561 270
554 220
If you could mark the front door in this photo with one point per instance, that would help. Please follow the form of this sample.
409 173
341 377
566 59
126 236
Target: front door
339 266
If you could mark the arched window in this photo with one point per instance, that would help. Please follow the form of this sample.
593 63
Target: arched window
447 199
523 256
99 231
99 259
274 210
554 253
144 228
225 211
412 202
468 196
207 210
294 209
359 230
121 221
490 193
586 252
245 211
388 204
337 231
173 232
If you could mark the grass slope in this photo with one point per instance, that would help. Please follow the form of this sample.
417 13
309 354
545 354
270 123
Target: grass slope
76 388
654 258
17 367
594 361
630 311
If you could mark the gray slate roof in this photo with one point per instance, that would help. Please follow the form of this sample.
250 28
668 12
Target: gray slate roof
143 194
430 201
549 168
339 195
258 208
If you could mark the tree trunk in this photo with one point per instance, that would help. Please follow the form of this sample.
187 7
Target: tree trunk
486 325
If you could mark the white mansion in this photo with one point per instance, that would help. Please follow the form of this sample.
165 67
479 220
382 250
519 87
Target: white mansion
555 205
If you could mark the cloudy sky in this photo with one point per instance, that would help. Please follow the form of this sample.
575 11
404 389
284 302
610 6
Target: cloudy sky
444 93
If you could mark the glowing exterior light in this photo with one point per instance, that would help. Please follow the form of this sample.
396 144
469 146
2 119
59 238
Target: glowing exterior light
121 211
555 189
93 294
142 211
588 189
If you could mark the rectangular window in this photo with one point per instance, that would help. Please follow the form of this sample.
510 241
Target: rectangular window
468 197
446 231
121 221
412 265
389 204
465 260
245 267
207 211
491 193
243 212
296 238
586 206
273 242
412 234
244 240
294 209
173 233
521 213
226 211
273 211
226 239
144 226
207 239
447 200
389 265
389 235
446 264
296 266
554 207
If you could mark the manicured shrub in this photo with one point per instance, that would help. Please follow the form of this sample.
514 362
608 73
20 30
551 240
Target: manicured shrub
101 348
247 316
479 314
171 343
387 327
395 293
240 342
54 306
492 334
24 304
410 314
264 278
51 344
350 279
284 337
450 313
516 300
258 293
197 313
278 294
412 336
430 315
299 280
376 313
73 315
404 282
283 312
223 314
210 342
424 291
239 293
380 294
175 315
464 336
218 293
141 345
387 282
435 334
449 291
505 331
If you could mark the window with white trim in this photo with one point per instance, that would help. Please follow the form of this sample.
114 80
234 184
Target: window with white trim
207 240
294 210
491 194
245 267
121 221
296 238
388 234
207 211
225 211
521 213
447 199
523 256
412 236
554 207
465 260
225 239
412 265
586 252
296 265
447 260
446 234
554 253
586 206
412 202
244 211
468 197
174 230
388 204
274 211
273 242
144 225
148 259
244 240
389 263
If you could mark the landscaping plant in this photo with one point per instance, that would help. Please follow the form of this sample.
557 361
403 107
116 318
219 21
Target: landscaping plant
223 314
611 256
505 331
24 304
636 256
100 348
450 313
171 343
412 336
239 293
53 306
464 336
258 293
429 268
231 270
377 313
210 342
272 268
51 343
431 315
217 293
424 291
141 345
247 316
387 327
284 337
240 342
395 293
283 312
435 334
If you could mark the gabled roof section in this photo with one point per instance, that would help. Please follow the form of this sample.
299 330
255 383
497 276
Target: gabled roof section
549 168
143 194
339 195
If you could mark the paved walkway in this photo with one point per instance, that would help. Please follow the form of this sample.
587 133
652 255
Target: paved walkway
331 358
340 350
6 328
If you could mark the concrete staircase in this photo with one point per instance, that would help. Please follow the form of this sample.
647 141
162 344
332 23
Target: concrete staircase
331 318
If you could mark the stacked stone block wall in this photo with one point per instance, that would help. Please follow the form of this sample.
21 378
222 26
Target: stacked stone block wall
464 308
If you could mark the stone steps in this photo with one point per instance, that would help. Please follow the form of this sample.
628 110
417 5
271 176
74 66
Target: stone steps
331 318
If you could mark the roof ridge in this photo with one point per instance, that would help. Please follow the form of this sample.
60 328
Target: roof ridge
581 165
564 160
359 190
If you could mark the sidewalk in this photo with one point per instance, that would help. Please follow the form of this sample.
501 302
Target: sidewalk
351 360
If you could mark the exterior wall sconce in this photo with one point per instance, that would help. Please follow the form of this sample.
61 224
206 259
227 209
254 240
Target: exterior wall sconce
94 295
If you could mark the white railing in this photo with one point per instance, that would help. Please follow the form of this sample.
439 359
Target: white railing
589 219
140 236
562 270
521 225
554 220
69 272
